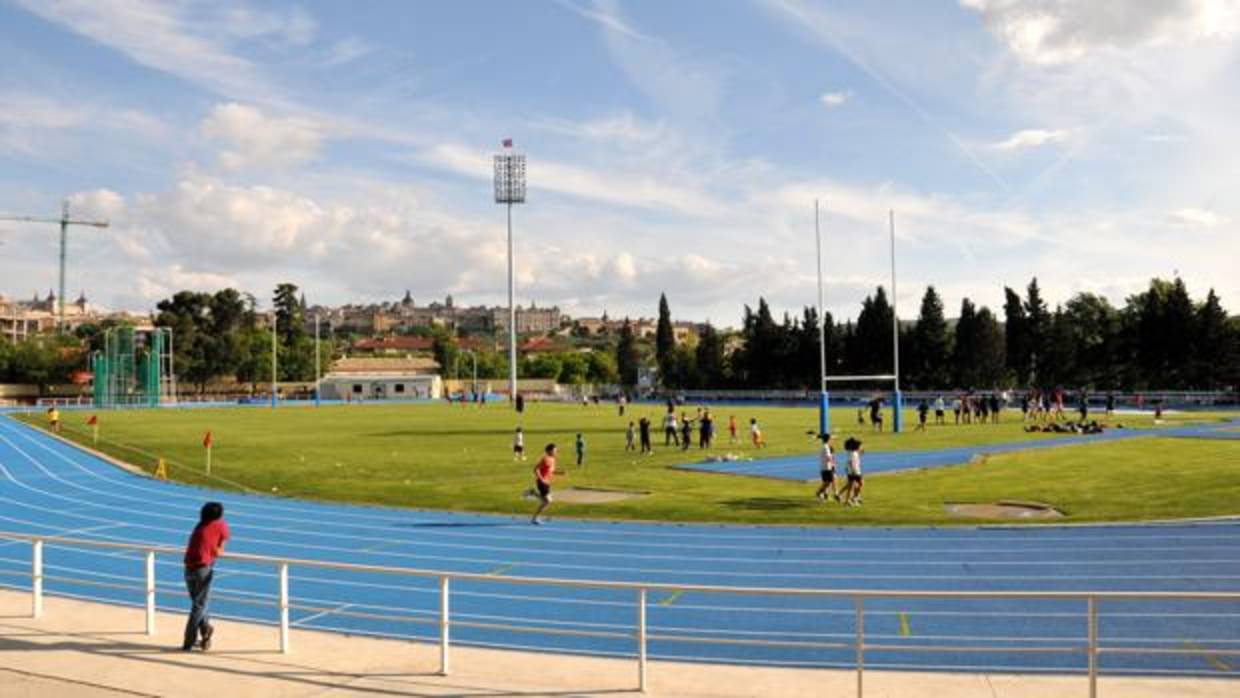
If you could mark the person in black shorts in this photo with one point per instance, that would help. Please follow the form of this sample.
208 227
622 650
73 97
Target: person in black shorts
826 470
876 414
923 410
852 491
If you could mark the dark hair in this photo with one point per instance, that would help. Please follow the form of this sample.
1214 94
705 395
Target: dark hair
549 448
824 437
211 511
852 444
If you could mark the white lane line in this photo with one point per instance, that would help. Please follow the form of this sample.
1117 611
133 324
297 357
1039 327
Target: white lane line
387 542
320 614
657 571
725 532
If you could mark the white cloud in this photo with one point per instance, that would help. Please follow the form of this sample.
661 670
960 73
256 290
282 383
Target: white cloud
162 36
251 138
623 128
607 15
1032 138
634 189
1049 32
831 100
348 50
293 25
1197 217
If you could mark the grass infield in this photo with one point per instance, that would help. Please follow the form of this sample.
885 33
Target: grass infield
436 456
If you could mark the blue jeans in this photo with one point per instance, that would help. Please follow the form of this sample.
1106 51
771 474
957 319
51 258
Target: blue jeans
198 583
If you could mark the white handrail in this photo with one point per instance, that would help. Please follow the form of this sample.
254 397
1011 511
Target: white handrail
1090 647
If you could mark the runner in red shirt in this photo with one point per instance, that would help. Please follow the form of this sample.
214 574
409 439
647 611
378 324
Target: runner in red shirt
205 545
543 473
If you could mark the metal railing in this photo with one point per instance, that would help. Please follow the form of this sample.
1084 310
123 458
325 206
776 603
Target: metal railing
1091 648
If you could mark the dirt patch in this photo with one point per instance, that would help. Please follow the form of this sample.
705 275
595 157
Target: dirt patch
1003 510
589 495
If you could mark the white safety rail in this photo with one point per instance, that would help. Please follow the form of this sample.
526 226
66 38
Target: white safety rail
1089 646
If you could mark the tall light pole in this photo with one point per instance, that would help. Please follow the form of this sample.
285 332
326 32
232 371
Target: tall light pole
317 379
65 221
897 421
824 415
510 189
273 359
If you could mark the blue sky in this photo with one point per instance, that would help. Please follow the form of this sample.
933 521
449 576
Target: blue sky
673 146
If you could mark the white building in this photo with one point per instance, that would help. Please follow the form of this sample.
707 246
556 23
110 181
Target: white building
381 386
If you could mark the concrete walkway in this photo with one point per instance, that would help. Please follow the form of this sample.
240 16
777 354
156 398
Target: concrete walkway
96 650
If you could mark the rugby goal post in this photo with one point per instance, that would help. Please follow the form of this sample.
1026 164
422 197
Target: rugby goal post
824 400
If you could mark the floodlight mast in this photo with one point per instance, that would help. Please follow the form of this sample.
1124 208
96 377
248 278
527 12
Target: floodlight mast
65 221
509 190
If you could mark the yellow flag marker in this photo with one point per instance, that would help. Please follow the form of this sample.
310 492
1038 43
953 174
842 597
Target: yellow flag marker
161 470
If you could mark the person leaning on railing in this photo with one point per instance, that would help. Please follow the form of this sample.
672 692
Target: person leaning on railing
206 543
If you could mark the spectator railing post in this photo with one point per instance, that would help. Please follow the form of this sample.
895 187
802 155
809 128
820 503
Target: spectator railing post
36 579
1092 650
150 592
284 648
641 639
860 646
443 626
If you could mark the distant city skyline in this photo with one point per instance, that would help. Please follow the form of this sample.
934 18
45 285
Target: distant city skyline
673 147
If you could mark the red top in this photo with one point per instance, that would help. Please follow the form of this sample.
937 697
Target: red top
545 469
205 543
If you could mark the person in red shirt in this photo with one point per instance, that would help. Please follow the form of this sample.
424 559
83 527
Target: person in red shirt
205 545
543 472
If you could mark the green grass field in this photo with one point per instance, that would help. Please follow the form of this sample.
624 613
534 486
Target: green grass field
454 458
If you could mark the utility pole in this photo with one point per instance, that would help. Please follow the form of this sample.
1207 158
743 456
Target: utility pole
65 221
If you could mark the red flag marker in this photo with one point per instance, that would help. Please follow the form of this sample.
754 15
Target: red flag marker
94 419
93 423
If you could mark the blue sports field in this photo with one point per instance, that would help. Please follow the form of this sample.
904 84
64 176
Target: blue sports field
806 467
50 488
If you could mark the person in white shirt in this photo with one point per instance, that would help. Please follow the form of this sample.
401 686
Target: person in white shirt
852 491
669 429
826 469
938 410
518 445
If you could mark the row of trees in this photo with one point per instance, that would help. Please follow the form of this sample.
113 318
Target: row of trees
1161 338
217 336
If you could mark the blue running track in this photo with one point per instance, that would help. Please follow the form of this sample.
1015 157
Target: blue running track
48 487
805 467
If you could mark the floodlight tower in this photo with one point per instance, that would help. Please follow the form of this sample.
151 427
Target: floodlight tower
65 221
510 189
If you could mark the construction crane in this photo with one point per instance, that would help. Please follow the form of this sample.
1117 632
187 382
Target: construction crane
65 221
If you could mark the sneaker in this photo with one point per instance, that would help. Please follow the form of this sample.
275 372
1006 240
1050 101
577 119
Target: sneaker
822 497
536 521
207 633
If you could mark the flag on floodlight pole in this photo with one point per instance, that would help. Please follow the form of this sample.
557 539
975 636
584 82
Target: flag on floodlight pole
207 443
93 422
